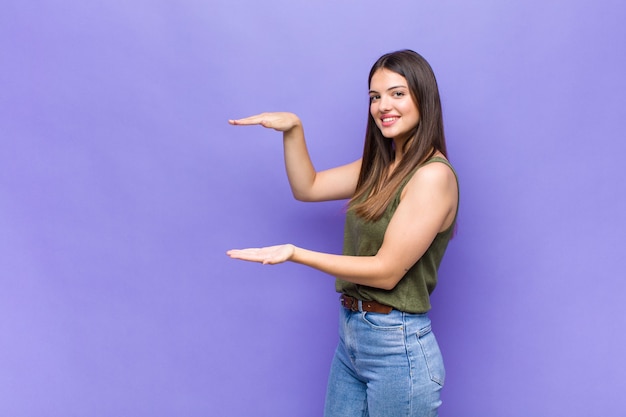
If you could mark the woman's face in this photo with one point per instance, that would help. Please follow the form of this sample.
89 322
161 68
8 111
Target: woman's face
391 104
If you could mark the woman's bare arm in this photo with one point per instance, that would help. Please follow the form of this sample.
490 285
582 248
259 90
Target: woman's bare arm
427 207
306 183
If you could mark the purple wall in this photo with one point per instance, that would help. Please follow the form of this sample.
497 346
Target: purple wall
122 185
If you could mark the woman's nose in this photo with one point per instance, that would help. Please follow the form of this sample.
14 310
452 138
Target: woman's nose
384 104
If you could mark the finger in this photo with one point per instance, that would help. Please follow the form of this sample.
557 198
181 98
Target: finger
247 121
251 254
242 252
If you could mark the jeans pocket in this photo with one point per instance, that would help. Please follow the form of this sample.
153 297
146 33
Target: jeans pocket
432 355
380 321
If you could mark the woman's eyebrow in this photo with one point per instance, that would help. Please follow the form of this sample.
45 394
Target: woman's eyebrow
390 88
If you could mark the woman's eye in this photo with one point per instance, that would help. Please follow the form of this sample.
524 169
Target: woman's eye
398 94
374 98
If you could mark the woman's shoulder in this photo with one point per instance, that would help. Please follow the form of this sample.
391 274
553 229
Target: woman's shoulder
436 172
437 165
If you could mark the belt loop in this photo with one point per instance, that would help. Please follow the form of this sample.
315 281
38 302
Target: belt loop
360 305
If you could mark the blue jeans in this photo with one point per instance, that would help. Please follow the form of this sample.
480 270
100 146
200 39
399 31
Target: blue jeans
386 365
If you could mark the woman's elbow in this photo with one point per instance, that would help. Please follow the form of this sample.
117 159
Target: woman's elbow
387 281
301 196
388 284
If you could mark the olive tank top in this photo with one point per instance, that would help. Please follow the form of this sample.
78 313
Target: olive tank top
364 238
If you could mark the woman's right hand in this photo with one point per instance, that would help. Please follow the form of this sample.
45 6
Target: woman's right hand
280 121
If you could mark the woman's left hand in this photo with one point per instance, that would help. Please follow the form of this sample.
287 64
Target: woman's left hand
269 255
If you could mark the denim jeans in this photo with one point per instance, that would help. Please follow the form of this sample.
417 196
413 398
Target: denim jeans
386 365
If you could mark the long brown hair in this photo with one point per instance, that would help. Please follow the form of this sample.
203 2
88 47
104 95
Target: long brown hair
375 188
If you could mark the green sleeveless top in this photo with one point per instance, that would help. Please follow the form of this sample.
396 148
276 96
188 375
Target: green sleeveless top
364 238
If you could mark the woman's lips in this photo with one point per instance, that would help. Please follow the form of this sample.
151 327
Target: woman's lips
388 120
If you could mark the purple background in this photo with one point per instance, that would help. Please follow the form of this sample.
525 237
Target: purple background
122 185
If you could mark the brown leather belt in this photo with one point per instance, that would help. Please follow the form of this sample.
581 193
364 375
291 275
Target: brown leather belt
352 303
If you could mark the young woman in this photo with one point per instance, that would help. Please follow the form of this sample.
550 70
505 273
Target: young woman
403 204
